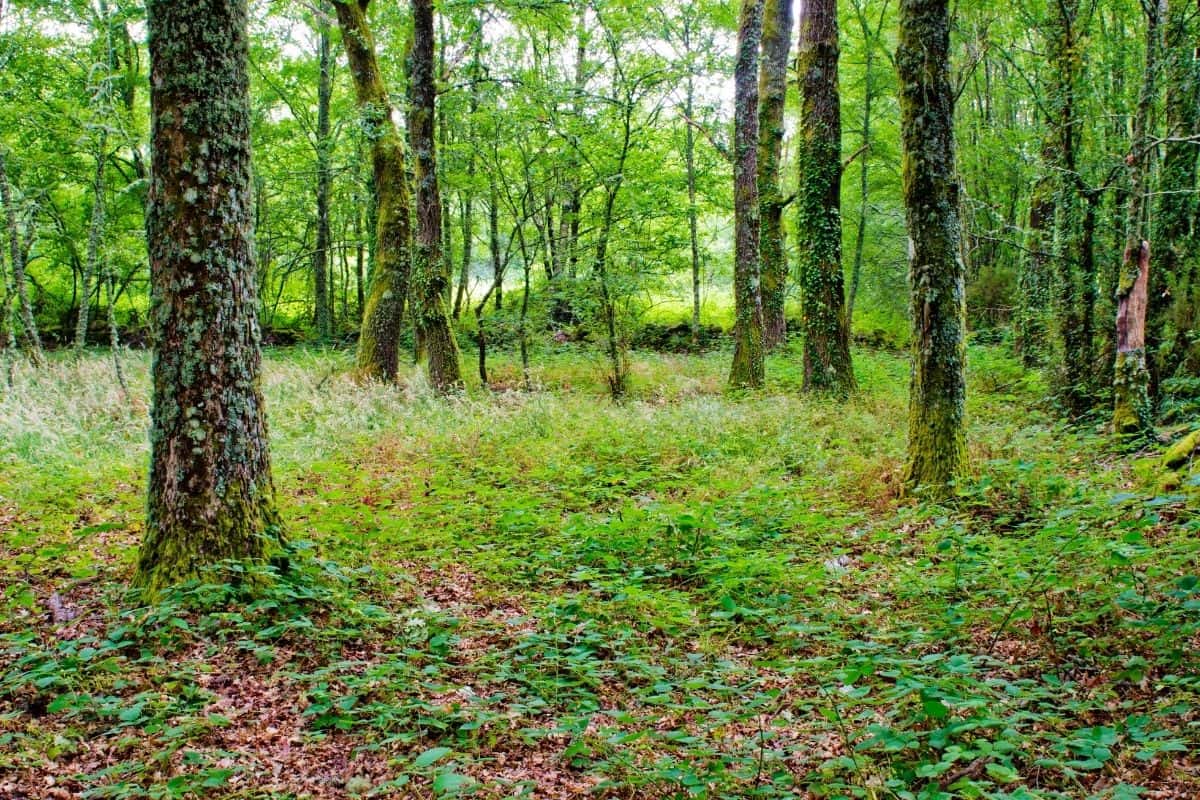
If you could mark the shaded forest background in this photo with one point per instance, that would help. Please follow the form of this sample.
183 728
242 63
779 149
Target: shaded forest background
534 101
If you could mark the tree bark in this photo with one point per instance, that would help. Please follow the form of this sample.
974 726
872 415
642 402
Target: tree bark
1132 410
772 88
1034 282
320 261
693 214
860 237
568 218
429 273
95 233
383 314
8 319
211 497
33 342
1175 283
827 366
467 195
937 393
747 370
1073 258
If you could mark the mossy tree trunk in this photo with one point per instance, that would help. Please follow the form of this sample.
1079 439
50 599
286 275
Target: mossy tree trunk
772 88
383 313
1174 312
1075 281
324 147
210 495
430 285
1033 284
827 365
937 393
1131 378
747 370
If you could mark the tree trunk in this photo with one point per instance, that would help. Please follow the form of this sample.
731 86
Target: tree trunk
211 498
95 233
568 219
467 196
864 186
772 87
1175 283
114 334
1073 260
429 274
1033 284
693 215
937 395
747 370
827 366
494 244
33 342
383 314
8 319
1132 413
324 183
618 377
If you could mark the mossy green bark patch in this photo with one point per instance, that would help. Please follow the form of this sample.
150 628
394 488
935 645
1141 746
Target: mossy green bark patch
1183 452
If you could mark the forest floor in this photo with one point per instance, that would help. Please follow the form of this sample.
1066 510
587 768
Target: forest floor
542 594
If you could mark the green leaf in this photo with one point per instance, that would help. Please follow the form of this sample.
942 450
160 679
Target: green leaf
1001 773
430 757
447 782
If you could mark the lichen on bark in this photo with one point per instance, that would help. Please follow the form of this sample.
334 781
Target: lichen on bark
747 371
772 89
211 498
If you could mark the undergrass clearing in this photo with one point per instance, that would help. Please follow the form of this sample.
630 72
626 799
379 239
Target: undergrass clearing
542 594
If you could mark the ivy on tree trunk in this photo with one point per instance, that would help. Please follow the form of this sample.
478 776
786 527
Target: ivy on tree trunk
827 366
430 285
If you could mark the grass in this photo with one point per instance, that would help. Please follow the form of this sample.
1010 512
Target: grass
543 594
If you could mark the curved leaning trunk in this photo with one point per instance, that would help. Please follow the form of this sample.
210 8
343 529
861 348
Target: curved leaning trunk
827 365
937 449
211 498
383 313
